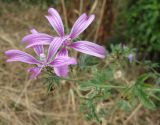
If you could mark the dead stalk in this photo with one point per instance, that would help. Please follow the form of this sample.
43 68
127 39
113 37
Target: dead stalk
132 114
100 20
80 7
93 7
65 14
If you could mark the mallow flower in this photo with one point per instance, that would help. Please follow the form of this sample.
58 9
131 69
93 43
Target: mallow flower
51 60
63 42
79 26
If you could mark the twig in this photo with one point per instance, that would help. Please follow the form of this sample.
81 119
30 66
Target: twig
65 14
93 7
100 20
4 38
73 100
132 114
80 7
22 93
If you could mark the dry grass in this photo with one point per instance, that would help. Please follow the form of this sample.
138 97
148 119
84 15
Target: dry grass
25 102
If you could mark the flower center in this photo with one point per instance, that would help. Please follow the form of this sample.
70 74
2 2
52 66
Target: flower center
67 42
42 57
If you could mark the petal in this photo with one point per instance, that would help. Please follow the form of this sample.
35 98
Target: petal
63 61
81 24
37 37
17 55
62 52
89 48
35 71
79 20
39 43
55 20
33 31
62 71
38 48
54 46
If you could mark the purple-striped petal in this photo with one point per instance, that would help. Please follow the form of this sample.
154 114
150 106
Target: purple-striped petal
36 43
53 47
81 24
38 48
62 52
89 48
62 71
63 61
17 55
34 72
37 37
55 20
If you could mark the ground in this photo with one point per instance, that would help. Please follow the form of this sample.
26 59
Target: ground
27 102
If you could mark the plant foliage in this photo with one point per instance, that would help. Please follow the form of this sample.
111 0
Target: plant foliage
115 80
139 20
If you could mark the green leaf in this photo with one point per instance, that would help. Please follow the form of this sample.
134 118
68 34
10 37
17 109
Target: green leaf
86 86
124 105
93 93
144 98
142 78
103 112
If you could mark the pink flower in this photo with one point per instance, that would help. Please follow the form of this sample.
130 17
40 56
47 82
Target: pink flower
79 26
59 61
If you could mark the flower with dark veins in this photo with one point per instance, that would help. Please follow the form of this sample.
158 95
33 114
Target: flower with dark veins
60 60
79 26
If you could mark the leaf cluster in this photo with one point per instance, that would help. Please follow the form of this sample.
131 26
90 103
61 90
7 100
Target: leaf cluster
140 20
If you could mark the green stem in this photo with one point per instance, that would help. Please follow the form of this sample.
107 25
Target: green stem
154 89
110 86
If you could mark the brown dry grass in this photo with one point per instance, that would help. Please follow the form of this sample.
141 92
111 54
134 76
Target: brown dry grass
25 102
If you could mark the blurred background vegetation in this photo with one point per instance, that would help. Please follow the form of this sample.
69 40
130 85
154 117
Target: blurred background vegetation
135 23
139 21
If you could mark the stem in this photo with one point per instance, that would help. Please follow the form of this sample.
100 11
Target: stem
111 86
132 114
100 20
80 7
93 7
154 89
22 93
65 14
